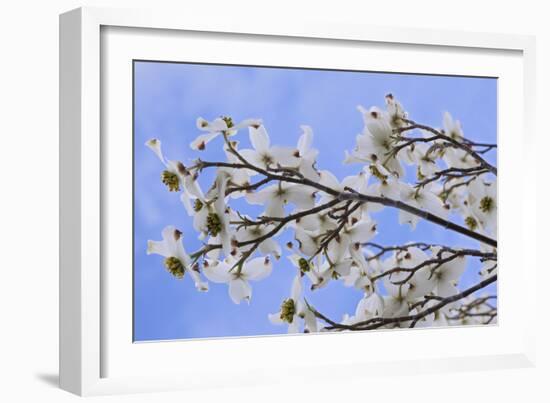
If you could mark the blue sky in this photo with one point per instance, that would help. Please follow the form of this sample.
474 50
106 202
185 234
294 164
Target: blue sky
168 99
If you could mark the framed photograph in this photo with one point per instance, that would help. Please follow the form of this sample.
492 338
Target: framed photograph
243 203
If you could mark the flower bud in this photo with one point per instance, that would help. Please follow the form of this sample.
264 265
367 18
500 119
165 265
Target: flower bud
174 266
171 181
288 309
213 224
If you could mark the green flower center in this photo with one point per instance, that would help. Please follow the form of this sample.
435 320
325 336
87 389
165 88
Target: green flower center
376 172
419 175
471 223
198 205
171 180
396 120
213 224
174 266
228 121
267 160
486 204
288 310
304 265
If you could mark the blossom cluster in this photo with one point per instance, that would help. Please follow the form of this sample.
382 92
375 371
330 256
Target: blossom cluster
333 221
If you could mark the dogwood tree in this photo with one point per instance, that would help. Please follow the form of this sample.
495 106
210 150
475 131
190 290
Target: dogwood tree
333 221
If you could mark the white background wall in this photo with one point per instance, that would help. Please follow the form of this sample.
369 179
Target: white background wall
29 187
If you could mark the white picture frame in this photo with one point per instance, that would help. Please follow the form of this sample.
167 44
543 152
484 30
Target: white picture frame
86 346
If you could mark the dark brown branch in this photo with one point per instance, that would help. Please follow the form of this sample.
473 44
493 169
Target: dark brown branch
420 213
385 249
352 195
247 188
209 247
436 262
377 322
440 135
454 173
334 233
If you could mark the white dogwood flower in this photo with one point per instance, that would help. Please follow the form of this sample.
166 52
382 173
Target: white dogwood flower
423 198
386 185
418 285
370 306
267 246
176 261
291 308
483 197
458 158
238 281
376 142
176 177
172 175
395 111
212 216
276 196
222 125
452 128
447 275
266 156
307 154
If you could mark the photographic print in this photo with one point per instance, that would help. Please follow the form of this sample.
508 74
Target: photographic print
275 200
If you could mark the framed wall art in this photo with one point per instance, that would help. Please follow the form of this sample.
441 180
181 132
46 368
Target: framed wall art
243 203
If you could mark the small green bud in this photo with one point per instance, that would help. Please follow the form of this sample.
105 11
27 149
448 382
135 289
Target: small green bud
267 160
376 172
171 180
471 222
174 266
420 176
198 205
228 121
486 204
213 224
305 266
288 310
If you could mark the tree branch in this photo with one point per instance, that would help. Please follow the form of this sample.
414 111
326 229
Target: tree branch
440 135
377 322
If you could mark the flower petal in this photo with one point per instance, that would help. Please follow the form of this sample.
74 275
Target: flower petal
155 146
363 231
199 284
305 141
301 196
307 169
271 246
284 156
275 318
259 138
275 208
328 179
217 272
186 201
296 290
306 241
260 197
158 248
294 327
257 269
202 140
239 289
